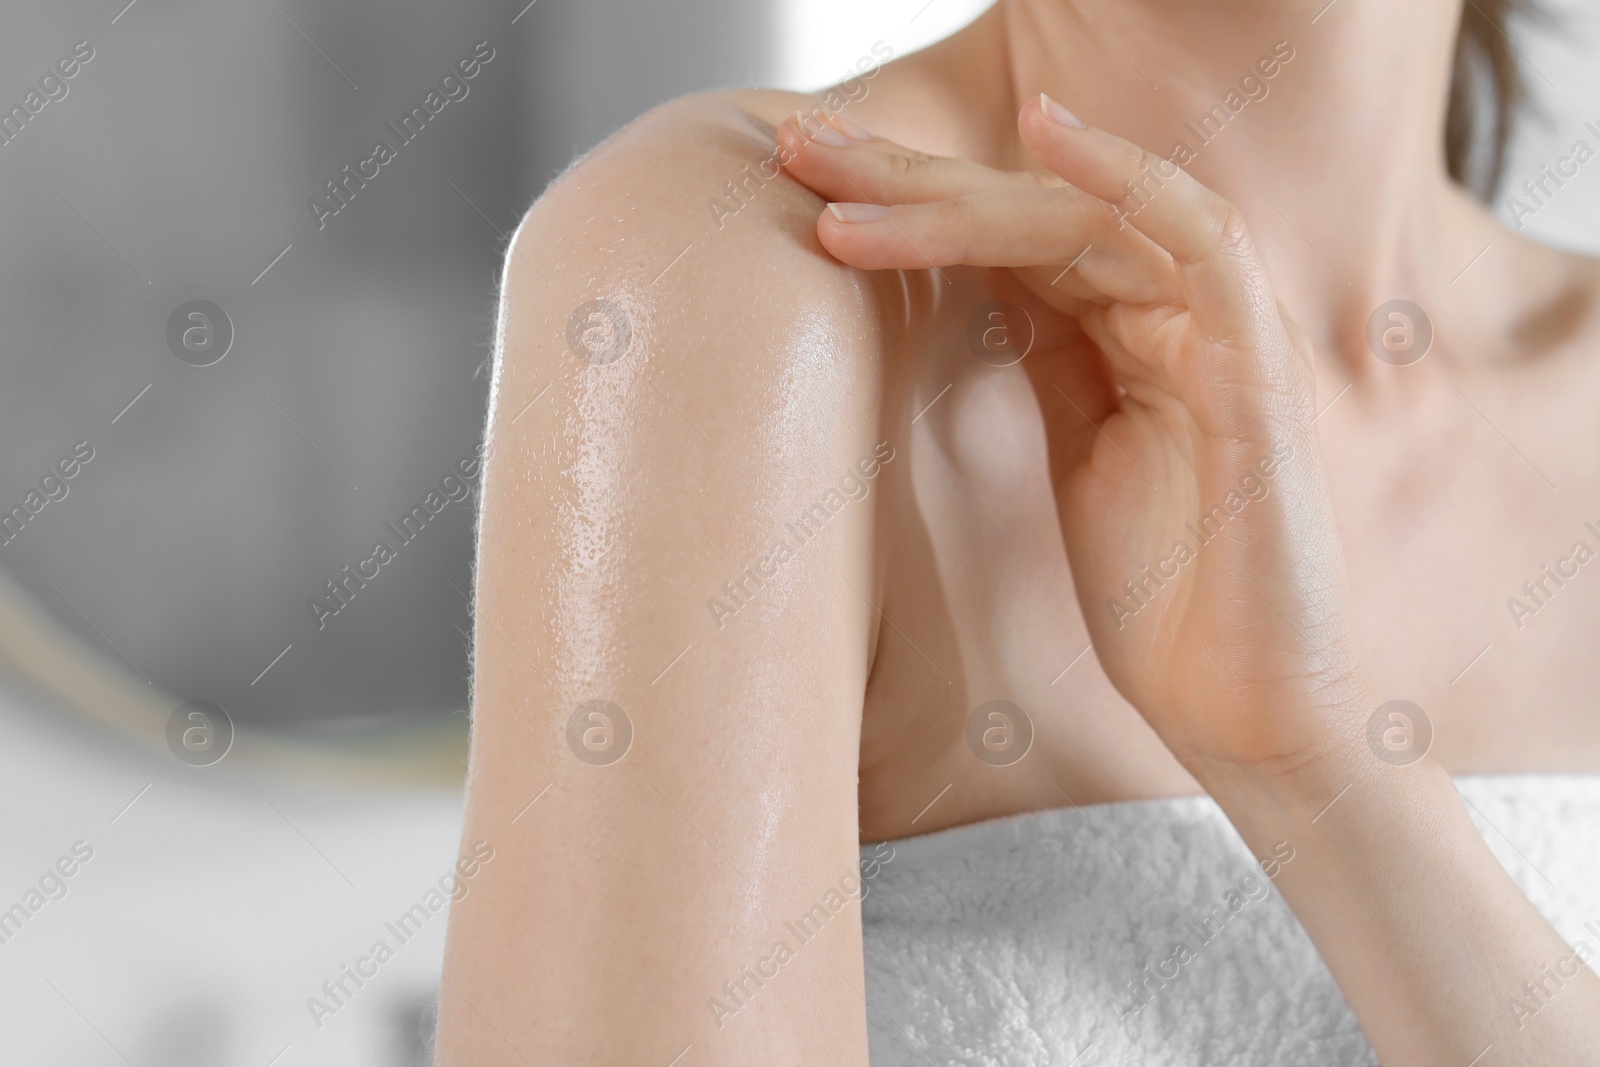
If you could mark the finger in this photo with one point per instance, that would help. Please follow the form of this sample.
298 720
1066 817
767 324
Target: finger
1020 228
859 167
1223 280
852 165
1102 275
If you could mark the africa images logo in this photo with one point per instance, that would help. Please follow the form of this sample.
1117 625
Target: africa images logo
452 87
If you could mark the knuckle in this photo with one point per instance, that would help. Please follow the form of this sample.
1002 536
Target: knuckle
1231 237
905 164
1105 218
1130 158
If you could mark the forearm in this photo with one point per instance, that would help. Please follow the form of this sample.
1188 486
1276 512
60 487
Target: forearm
1430 940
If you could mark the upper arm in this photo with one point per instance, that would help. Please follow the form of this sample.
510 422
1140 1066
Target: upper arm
620 499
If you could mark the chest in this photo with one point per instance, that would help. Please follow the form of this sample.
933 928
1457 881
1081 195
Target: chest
1470 515
1472 533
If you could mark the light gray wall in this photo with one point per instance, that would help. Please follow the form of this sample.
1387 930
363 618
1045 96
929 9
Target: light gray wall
593 66
188 147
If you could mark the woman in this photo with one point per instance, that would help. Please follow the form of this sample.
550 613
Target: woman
810 493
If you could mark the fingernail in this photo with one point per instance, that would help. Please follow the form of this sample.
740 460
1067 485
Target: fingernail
1058 114
852 129
858 212
825 134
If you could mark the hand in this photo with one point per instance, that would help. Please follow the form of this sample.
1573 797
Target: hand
1189 484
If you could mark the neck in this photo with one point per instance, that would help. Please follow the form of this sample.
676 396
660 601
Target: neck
1326 134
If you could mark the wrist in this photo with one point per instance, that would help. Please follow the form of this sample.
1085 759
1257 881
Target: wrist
1347 800
1379 747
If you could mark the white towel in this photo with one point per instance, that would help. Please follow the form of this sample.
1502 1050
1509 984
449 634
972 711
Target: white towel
1023 940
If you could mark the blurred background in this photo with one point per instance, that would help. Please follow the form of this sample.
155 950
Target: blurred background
239 462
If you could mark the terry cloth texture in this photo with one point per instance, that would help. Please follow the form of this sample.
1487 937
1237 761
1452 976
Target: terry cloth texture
1052 938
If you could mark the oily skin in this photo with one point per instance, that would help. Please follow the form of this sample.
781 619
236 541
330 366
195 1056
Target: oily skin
622 497
763 369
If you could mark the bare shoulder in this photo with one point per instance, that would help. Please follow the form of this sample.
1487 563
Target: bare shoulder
696 184
668 311
668 296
